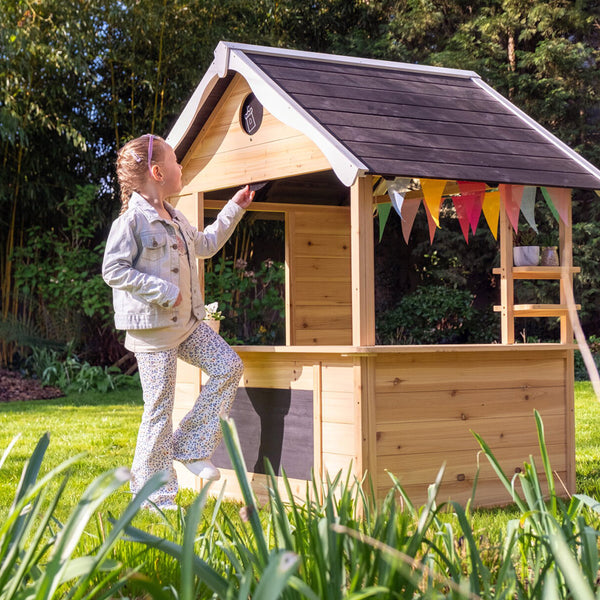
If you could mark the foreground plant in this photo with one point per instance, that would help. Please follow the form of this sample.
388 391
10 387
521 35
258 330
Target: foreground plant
37 551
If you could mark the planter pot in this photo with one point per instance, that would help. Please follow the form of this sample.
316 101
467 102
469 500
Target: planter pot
550 256
214 324
526 256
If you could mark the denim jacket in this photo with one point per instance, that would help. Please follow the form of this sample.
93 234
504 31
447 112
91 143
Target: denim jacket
141 262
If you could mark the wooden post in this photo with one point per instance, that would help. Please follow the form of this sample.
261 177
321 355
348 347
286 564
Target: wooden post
363 269
565 253
507 292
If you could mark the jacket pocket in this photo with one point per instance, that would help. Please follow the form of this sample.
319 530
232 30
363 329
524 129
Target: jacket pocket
154 246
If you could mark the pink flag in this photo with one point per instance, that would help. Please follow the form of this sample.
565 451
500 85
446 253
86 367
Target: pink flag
560 198
510 197
410 207
473 192
462 214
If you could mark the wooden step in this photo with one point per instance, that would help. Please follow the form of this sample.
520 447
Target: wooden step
539 310
539 272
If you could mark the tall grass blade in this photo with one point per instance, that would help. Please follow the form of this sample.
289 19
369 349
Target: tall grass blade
282 565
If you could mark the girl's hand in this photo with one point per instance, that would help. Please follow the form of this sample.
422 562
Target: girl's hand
244 197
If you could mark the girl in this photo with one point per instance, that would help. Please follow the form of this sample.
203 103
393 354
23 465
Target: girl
150 262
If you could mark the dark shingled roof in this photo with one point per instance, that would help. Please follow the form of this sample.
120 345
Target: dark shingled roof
428 123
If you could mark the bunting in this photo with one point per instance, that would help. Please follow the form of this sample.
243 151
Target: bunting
558 198
432 195
491 211
528 206
510 198
469 204
410 207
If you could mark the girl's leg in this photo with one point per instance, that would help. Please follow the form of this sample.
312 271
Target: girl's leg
199 432
154 449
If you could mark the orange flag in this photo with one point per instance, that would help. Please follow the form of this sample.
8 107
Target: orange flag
410 207
432 194
432 223
510 197
491 211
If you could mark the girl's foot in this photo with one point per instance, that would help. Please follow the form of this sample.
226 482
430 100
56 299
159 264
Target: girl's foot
204 469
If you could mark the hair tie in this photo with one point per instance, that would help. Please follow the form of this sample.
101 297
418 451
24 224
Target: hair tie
136 156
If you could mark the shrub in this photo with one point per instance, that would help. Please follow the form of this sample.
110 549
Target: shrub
435 314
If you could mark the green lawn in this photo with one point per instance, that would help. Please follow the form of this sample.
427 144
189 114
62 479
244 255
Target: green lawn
104 426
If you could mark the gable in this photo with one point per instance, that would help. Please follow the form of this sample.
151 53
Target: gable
224 155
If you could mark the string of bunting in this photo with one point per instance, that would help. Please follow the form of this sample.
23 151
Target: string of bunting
472 199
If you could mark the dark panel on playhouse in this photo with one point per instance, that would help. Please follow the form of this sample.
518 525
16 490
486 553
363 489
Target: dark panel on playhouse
276 424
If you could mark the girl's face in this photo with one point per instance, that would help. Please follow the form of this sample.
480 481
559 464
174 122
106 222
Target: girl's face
171 172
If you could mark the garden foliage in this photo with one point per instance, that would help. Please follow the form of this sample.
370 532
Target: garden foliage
336 542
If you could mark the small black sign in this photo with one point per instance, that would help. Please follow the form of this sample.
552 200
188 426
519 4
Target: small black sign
252 114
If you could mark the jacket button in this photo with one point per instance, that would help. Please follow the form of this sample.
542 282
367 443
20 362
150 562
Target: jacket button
174 246
166 305
154 243
175 270
174 319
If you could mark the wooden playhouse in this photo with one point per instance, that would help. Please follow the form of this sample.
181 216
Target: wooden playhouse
323 129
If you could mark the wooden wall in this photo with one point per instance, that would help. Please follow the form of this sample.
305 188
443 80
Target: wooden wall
422 405
318 291
428 404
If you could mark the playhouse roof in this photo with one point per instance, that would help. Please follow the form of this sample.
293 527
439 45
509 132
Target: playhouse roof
390 118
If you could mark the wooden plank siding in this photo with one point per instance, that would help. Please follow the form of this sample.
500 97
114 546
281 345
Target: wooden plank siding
223 155
428 406
319 292
422 125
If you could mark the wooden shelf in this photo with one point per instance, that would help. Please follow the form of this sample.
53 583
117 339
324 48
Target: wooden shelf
539 310
539 272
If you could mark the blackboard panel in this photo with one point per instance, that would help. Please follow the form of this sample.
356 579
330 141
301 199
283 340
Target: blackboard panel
276 424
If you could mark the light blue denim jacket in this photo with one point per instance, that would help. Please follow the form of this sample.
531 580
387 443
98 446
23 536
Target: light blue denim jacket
141 262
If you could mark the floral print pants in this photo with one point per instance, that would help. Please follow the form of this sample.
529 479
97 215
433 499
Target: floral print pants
199 432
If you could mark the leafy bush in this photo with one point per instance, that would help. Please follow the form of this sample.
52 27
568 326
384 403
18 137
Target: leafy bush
58 272
252 301
435 314
67 372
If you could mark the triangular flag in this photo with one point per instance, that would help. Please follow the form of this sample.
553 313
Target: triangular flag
471 187
528 206
463 217
597 192
410 207
510 197
397 199
432 194
384 212
432 223
397 190
559 198
380 186
474 202
491 211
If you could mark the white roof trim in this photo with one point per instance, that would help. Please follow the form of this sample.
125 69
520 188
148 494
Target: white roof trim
541 130
350 60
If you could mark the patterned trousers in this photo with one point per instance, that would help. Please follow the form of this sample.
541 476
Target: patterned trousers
199 432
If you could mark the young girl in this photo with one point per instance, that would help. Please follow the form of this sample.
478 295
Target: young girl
150 262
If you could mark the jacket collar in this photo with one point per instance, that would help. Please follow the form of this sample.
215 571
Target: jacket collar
139 202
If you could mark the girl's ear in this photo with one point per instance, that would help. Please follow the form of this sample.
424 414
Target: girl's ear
155 173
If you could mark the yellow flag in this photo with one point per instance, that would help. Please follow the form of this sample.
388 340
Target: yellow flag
491 211
432 195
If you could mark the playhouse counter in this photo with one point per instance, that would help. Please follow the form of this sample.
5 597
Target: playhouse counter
403 409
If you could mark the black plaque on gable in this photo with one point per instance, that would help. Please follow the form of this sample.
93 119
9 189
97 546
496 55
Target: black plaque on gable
276 424
251 114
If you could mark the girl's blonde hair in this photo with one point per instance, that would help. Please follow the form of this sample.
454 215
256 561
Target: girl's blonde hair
132 164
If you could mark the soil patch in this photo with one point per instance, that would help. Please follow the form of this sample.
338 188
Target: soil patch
14 388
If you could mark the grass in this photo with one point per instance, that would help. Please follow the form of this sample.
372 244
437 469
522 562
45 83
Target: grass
105 427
